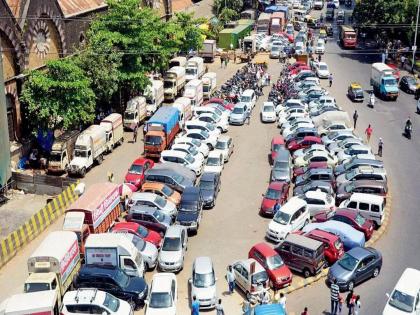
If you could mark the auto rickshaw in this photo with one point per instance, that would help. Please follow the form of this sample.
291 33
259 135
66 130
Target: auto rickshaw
355 92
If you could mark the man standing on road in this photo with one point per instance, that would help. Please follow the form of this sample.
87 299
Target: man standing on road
282 302
136 127
335 291
330 79
195 306
355 116
230 279
368 133
380 147
219 308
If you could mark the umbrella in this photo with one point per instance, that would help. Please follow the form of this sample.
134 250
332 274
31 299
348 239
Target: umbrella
127 189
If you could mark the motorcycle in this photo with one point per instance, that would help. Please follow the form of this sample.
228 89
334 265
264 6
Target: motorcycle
371 103
407 131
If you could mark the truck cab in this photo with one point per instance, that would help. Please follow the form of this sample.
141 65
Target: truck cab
135 112
194 69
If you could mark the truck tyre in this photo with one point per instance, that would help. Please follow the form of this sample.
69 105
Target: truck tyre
100 159
83 172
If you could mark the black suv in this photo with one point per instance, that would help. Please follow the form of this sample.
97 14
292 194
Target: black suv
190 209
114 281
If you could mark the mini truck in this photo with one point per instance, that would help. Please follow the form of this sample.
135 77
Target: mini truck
62 151
54 264
113 249
383 81
135 113
36 303
173 82
194 69
161 130
208 52
89 149
113 125
154 96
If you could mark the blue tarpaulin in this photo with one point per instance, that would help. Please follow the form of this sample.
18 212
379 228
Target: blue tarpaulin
45 139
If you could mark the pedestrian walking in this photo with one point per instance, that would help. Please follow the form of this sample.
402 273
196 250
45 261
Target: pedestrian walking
383 57
368 133
355 116
319 58
334 292
226 61
402 61
340 304
282 302
230 279
330 79
234 56
135 131
110 176
357 305
219 308
221 61
195 306
380 146
305 311
350 301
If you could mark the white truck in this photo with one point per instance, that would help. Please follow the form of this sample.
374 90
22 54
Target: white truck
209 84
154 96
90 148
173 82
36 303
183 104
383 81
135 112
113 125
54 264
194 91
194 69
178 62
62 151
115 250
208 52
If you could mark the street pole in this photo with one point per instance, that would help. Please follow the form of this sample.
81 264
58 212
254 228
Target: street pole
415 36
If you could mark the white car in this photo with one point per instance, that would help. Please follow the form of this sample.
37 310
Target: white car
222 124
404 298
198 144
322 71
249 98
325 100
299 48
203 136
198 110
293 102
318 4
334 126
290 123
316 156
163 295
203 125
93 301
174 246
183 158
312 148
152 200
268 113
203 282
292 216
225 146
148 251
320 47
290 114
336 147
336 136
318 201
354 149
215 162
288 131
197 155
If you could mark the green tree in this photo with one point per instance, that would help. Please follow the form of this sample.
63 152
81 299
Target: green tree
235 5
192 34
58 97
227 15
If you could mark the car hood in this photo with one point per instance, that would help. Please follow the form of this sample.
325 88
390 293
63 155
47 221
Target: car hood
391 89
132 178
339 273
170 257
224 151
412 87
213 169
204 293
267 203
207 194
281 272
78 161
187 216
281 228
390 310
137 285
237 116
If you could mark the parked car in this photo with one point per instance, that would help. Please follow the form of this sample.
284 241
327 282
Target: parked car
144 233
189 149
209 188
277 144
249 98
190 209
304 143
215 162
198 144
150 217
268 114
325 186
93 301
297 171
355 92
318 201
349 236
203 282
148 251
115 281
364 186
219 122
353 150
354 162
169 177
362 172
182 158
278 273
336 147
336 136
162 190
280 170
322 70
239 114
276 192
408 84
250 280
348 216
174 246
152 200
225 146
316 156
136 172
357 265
202 135
320 46
163 297
316 174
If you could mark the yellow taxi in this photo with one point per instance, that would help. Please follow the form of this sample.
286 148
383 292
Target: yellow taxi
355 92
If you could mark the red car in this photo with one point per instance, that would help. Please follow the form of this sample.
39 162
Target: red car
277 143
289 37
279 274
276 191
304 143
135 174
333 246
139 230
349 216
221 102
302 170
297 64
395 72
299 69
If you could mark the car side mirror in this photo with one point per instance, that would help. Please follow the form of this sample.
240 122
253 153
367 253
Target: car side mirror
387 295
189 280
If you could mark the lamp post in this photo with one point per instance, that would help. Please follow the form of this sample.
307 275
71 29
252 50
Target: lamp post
415 36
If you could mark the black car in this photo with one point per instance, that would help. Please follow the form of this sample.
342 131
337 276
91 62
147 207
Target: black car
190 209
329 16
323 174
354 162
209 187
408 84
324 186
114 281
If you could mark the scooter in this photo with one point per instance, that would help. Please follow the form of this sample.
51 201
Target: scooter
407 131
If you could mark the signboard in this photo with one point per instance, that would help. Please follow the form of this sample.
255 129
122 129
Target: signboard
105 207
101 256
69 261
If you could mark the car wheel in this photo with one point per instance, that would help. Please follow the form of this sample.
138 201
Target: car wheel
306 273
375 272
248 296
350 286
132 304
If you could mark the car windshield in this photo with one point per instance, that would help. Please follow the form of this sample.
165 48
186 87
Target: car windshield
80 153
111 302
142 231
282 218
138 242
390 82
192 150
245 98
167 191
210 127
35 287
402 301
130 116
171 244
272 194
348 262
204 133
168 84
122 278
259 277
55 157
238 110
153 140
280 165
275 48
213 161
358 91
159 216
160 300
206 184
161 202
277 147
221 145
411 80
268 108
203 280
274 262
136 169
349 188
189 158
360 219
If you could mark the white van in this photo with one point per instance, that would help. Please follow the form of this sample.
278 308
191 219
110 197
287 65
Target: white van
404 299
209 84
292 216
370 206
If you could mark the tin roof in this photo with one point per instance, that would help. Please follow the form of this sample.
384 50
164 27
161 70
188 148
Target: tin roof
76 7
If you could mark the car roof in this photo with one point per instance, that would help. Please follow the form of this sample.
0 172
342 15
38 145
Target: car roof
174 153
208 176
162 282
196 122
268 104
368 198
125 225
247 264
277 185
140 161
141 195
84 296
313 138
355 85
369 169
292 205
143 209
409 282
203 265
321 171
277 140
265 249
240 105
248 92
303 241
191 190
369 183
322 234
359 252
96 270
316 194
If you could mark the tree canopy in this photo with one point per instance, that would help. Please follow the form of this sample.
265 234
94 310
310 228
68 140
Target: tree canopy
235 5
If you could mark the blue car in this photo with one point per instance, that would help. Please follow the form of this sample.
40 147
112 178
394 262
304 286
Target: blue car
349 236
269 309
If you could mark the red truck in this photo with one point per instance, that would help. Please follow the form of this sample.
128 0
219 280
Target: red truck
161 130
277 21
348 37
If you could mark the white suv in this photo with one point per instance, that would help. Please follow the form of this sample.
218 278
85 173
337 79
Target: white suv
203 282
163 295
94 301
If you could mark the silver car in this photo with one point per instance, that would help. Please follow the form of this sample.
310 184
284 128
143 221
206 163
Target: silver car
203 282
148 251
174 246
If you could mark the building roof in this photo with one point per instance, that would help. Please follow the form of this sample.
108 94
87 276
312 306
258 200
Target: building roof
77 7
